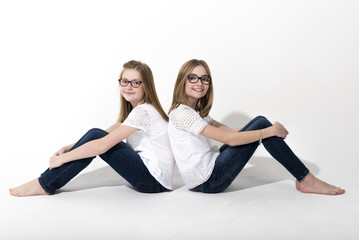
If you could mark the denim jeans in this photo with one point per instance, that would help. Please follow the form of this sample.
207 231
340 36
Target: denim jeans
232 159
123 160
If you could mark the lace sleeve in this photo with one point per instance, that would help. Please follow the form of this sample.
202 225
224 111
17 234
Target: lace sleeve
208 119
139 118
184 118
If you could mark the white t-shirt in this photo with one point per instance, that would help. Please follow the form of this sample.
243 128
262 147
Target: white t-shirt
151 142
194 154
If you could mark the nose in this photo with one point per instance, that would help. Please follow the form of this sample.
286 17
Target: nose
129 86
199 82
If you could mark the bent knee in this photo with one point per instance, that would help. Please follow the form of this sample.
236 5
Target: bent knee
260 117
96 133
264 122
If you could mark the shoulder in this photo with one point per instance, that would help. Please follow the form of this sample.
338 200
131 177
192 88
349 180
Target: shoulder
144 109
140 117
183 113
182 110
185 118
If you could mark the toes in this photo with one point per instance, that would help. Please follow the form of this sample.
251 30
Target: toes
339 191
12 192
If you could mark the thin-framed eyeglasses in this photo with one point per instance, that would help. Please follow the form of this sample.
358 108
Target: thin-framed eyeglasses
206 80
125 82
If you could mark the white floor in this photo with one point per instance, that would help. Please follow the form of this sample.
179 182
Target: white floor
98 204
292 61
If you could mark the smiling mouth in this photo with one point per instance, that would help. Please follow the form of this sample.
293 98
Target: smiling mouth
198 89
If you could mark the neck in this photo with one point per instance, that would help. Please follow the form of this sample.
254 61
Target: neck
192 103
136 103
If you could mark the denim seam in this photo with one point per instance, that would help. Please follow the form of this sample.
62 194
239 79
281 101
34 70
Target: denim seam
303 175
46 189
53 179
229 164
237 157
297 172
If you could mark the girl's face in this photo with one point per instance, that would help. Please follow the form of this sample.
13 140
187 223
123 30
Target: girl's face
134 95
195 91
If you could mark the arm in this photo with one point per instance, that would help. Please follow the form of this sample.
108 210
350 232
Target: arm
63 150
113 127
240 138
68 147
219 125
93 148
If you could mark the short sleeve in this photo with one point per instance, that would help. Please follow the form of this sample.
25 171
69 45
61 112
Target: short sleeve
184 118
208 119
139 118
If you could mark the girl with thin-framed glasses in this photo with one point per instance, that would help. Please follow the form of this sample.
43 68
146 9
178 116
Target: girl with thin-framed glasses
145 160
209 170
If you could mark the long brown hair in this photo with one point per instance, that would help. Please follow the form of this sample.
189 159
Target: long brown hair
150 95
204 104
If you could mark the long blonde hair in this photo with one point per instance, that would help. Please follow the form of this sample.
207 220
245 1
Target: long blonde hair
204 104
150 95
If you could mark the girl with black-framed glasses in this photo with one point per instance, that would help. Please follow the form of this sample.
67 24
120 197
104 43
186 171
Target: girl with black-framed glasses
145 160
209 170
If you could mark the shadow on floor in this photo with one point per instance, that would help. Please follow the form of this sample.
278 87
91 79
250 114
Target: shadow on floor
260 171
102 177
105 177
264 170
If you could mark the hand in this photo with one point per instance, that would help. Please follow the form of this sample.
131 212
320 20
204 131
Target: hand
61 151
279 130
56 161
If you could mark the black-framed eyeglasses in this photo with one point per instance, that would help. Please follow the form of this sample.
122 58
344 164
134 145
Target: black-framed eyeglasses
206 80
125 82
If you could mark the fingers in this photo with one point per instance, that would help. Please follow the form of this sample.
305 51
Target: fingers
56 154
52 163
285 133
282 131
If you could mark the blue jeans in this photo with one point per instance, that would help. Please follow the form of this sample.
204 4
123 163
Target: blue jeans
232 159
123 160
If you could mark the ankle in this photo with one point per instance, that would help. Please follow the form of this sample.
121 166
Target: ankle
309 178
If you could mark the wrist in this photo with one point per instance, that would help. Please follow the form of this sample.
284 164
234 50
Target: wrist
267 132
64 158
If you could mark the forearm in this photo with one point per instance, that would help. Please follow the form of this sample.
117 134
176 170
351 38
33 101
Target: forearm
99 146
236 129
113 127
110 129
68 147
92 148
236 138
219 125
89 149
245 137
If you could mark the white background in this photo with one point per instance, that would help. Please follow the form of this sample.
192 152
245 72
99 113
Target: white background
296 62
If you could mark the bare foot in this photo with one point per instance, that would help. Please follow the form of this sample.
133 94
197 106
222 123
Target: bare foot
311 184
31 188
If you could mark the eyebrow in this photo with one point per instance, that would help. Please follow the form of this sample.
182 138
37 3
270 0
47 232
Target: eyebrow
132 79
206 75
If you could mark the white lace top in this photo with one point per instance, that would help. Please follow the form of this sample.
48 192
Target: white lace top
151 142
194 154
